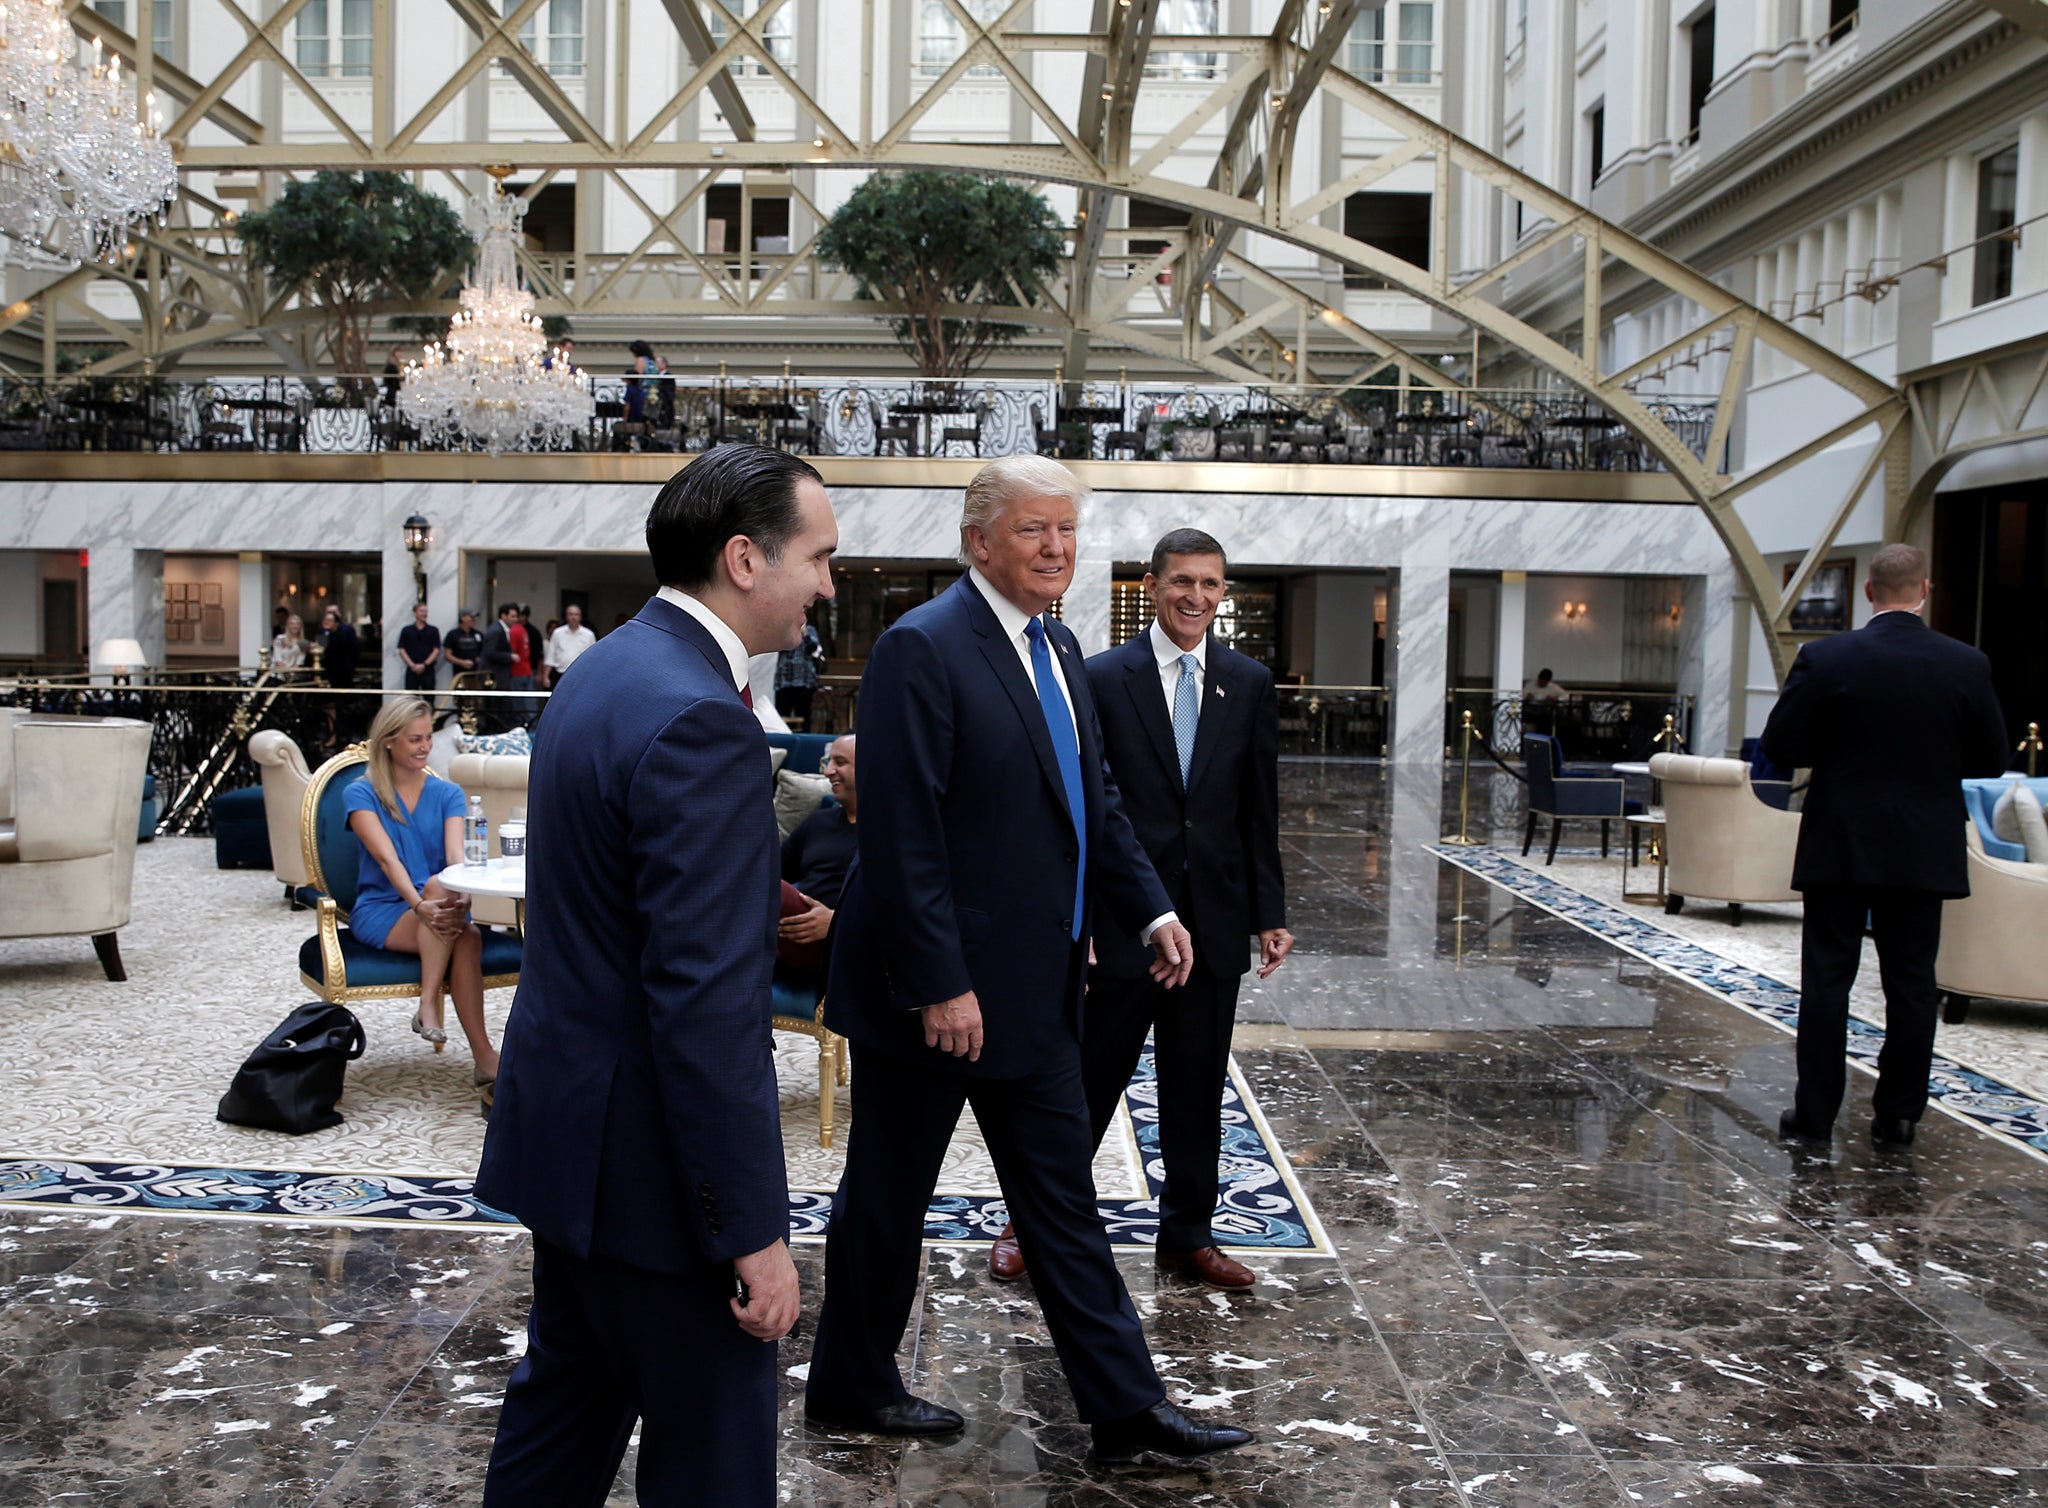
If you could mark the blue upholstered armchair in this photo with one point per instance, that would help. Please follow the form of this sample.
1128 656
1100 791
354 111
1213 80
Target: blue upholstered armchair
332 962
1560 793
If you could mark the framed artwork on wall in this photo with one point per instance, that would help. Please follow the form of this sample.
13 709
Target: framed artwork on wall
1823 608
213 624
209 594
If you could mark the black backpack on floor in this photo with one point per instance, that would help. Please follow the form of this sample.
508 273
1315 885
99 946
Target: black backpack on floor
291 1081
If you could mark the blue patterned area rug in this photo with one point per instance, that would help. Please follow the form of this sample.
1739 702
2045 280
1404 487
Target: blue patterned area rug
1976 1098
1263 1207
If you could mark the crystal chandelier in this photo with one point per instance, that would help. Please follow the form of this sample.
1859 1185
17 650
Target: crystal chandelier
493 382
78 168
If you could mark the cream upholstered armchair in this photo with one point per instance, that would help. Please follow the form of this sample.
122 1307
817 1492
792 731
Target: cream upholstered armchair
1992 940
501 780
67 857
1722 842
285 778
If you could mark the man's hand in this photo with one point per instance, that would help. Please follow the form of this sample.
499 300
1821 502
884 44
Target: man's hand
1173 954
772 1302
954 1026
807 926
1275 943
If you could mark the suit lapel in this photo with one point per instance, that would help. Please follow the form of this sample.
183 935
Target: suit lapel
1216 704
1009 673
1142 685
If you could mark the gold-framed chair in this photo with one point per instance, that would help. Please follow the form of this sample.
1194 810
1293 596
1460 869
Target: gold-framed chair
333 963
795 1011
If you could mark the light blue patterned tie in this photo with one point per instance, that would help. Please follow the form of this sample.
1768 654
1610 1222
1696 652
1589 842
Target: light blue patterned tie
1066 749
1187 711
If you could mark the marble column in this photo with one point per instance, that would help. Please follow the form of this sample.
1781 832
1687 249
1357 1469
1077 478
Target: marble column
1511 630
1421 633
399 596
124 595
252 583
1085 608
1706 658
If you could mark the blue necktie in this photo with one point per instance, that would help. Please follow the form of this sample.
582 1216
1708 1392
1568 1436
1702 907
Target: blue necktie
1187 711
1066 749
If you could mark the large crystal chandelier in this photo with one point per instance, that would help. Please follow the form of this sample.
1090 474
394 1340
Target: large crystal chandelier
494 383
78 166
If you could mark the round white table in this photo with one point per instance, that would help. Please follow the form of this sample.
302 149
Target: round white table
500 877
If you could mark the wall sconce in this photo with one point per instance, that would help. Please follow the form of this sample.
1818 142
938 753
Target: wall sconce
1573 611
1674 612
417 532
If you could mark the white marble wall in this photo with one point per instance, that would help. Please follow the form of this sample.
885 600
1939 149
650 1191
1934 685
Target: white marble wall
1423 538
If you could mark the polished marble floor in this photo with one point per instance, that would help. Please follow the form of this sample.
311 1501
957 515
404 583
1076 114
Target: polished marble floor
1572 1266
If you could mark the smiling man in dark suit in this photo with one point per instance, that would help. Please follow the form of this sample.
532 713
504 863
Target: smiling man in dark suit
636 1130
1191 730
1891 719
989 831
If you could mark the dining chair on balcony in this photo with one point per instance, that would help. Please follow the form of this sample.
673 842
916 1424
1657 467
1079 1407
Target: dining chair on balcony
965 434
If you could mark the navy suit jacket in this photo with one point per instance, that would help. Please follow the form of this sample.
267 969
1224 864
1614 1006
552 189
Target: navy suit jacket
1891 718
965 879
1216 843
636 1113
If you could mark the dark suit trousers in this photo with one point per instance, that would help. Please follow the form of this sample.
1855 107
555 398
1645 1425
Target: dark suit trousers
1907 927
608 1343
1037 1132
1190 1029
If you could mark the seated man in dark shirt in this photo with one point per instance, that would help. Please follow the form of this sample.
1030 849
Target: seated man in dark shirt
815 859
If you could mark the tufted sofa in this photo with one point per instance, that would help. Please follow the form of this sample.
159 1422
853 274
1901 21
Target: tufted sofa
70 788
285 778
1724 841
1992 940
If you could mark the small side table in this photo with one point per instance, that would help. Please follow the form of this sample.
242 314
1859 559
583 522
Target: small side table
500 877
1652 824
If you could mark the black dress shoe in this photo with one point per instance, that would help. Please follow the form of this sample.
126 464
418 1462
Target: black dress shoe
913 1416
1789 1129
1164 1430
1888 1131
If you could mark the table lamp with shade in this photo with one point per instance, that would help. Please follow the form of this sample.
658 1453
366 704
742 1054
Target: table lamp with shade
121 656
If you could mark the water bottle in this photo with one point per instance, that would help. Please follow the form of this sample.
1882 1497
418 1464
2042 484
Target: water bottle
476 836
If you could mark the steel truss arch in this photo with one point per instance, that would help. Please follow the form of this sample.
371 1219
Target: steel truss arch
1222 312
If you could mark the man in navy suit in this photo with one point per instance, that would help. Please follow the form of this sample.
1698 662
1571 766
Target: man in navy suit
1191 730
1891 719
636 1130
989 831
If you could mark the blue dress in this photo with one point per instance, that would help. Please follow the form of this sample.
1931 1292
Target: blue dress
418 842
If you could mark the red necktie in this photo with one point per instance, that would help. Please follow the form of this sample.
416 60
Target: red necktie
747 696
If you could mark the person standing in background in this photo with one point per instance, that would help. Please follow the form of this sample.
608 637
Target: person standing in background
796 678
567 644
1891 718
419 647
340 652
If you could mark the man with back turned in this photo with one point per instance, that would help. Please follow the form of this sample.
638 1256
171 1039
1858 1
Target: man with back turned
989 831
1891 718
636 1131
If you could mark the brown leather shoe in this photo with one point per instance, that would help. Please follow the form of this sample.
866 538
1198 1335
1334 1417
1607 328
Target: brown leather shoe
1210 1265
1006 1257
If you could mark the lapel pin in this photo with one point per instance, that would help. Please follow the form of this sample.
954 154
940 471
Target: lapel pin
1221 692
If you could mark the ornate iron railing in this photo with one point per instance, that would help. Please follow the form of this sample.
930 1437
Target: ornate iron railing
1591 724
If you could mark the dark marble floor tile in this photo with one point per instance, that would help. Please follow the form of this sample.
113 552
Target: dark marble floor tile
1793 1371
1415 1281
120 1404
1987 1281
313 1273
419 1466
1554 1481
1479 1394
1658 1484
37 1246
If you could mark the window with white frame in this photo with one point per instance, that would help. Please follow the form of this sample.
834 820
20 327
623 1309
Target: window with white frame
331 39
1407 56
1998 190
941 38
778 36
1182 18
561 53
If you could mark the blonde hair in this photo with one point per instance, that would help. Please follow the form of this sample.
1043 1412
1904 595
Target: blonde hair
1002 482
393 718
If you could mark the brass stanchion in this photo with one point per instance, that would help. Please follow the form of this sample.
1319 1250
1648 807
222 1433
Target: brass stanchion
1465 838
2031 747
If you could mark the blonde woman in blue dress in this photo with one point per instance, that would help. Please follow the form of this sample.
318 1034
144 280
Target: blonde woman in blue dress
409 823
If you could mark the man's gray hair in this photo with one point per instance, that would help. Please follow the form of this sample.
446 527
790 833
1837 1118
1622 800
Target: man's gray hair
1003 481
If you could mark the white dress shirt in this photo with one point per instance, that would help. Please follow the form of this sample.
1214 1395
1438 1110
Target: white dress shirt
721 633
1168 654
1014 621
566 646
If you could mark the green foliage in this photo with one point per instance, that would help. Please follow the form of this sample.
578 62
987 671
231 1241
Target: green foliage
421 327
555 328
348 241
944 248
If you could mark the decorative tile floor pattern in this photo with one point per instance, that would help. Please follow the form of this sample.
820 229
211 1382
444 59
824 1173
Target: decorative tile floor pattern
73 1134
1975 1098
